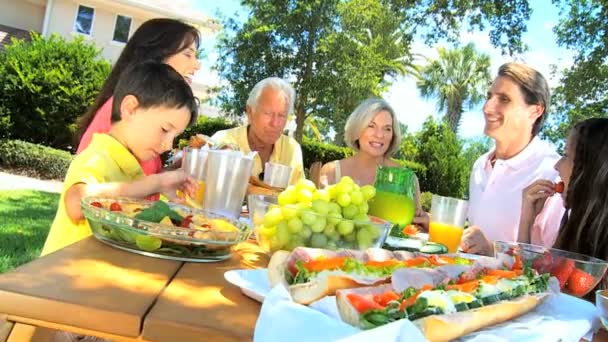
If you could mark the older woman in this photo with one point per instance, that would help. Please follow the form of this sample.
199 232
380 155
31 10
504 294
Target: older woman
514 112
373 131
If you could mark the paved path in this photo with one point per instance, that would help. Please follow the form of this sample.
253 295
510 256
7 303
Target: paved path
15 182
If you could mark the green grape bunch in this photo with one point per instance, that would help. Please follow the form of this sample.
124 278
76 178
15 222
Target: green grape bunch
334 217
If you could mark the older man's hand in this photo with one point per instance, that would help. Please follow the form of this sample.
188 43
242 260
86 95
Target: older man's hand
475 242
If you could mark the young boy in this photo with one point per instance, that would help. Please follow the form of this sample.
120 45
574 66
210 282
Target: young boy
152 105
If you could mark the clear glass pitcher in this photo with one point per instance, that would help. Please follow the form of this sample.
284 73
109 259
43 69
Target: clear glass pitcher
226 180
395 199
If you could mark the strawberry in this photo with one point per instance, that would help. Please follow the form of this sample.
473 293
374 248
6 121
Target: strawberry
559 187
543 263
96 204
562 270
580 282
115 206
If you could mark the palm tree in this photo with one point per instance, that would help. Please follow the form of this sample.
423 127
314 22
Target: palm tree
457 77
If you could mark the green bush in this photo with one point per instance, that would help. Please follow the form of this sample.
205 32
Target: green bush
425 200
46 84
204 125
312 151
34 160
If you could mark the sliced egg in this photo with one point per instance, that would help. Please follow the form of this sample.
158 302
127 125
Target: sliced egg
485 290
440 299
460 297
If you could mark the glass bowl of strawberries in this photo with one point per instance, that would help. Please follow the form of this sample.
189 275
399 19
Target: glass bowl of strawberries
578 274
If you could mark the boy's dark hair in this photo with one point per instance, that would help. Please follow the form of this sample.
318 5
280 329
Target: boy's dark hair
155 40
154 84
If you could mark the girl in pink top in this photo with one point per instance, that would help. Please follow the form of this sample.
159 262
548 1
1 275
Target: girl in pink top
164 40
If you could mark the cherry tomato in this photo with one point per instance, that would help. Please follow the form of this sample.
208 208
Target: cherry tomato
559 187
96 204
115 206
186 221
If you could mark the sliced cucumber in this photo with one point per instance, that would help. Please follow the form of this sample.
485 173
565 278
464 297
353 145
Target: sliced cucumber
433 248
477 303
490 299
461 307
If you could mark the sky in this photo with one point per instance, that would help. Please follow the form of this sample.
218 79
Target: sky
403 95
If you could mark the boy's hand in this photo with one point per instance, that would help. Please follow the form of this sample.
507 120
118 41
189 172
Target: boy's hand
171 181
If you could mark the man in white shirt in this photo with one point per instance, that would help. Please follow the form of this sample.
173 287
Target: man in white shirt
514 112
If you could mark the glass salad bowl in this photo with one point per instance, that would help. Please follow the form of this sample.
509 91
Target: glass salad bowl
578 274
163 230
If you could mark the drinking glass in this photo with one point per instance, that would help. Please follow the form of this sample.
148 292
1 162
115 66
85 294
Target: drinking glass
277 175
601 303
448 216
395 199
194 165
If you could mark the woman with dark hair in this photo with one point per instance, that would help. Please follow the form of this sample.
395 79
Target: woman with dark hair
584 171
162 40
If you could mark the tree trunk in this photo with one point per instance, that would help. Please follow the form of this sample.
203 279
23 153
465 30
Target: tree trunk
300 117
453 115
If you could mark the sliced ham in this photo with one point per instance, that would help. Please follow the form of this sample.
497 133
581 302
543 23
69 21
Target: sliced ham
404 278
453 271
501 261
403 255
378 254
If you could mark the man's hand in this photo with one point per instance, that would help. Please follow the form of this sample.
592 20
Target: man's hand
475 242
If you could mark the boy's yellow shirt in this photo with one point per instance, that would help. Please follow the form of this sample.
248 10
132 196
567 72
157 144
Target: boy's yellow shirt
105 160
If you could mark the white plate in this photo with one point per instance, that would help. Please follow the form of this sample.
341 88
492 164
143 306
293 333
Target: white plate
253 283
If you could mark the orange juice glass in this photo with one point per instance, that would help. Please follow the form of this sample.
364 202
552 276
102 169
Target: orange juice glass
446 234
447 221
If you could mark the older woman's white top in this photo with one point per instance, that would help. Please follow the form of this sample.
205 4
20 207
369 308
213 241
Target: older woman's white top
495 194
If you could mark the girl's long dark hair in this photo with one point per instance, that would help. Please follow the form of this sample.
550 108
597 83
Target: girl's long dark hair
155 40
585 229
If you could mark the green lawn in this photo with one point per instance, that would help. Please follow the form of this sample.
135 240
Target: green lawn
25 219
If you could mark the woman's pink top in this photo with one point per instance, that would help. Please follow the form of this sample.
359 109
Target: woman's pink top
102 122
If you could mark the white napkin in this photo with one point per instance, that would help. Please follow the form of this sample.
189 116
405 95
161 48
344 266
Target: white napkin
559 318
283 320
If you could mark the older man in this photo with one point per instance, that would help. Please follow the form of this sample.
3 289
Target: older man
269 103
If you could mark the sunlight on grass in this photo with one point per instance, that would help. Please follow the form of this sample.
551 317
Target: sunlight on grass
26 219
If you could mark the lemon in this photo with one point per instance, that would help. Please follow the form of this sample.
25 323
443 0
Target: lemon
148 243
166 220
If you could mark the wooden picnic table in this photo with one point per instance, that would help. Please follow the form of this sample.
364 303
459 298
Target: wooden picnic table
94 289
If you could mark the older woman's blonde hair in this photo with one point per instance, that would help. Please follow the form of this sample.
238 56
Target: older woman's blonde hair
360 118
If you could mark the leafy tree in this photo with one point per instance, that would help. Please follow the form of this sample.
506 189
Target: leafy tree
459 76
473 149
46 84
336 53
440 151
583 89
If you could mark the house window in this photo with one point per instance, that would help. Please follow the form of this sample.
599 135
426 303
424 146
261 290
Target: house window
84 20
122 27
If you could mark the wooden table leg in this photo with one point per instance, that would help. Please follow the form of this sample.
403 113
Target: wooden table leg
5 328
29 333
